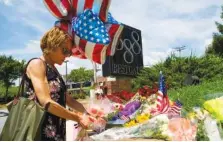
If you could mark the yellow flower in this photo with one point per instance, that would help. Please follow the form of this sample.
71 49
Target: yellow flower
139 119
126 125
142 118
171 103
191 115
143 98
130 124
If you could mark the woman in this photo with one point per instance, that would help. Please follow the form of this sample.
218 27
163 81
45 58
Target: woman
44 83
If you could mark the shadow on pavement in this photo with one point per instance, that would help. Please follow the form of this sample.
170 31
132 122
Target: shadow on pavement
3 114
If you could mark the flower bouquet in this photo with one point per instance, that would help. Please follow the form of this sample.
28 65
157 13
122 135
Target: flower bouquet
142 130
129 109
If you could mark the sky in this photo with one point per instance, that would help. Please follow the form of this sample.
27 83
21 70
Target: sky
164 24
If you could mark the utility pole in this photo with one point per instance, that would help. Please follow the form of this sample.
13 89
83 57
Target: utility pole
95 71
66 70
179 49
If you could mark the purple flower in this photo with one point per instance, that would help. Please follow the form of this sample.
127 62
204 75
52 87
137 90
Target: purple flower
130 108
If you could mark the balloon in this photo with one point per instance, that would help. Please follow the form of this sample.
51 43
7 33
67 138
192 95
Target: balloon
88 22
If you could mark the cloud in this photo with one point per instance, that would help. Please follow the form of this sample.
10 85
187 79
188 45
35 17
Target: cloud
31 14
32 47
171 23
74 63
6 2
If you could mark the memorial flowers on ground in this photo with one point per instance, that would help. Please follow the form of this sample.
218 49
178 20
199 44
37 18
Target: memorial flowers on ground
151 114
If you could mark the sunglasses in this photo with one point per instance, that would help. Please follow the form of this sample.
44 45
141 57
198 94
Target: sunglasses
66 51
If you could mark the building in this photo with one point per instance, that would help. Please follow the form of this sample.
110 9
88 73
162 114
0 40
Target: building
115 84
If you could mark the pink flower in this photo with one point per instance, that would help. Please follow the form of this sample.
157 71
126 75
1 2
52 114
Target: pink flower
96 112
181 129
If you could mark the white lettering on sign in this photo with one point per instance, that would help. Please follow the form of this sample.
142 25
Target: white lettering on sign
131 47
125 69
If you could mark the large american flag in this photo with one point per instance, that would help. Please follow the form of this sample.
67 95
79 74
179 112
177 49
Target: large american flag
96 33
163 105
93 37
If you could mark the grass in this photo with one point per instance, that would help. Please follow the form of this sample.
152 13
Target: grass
2 106
12 91
195 96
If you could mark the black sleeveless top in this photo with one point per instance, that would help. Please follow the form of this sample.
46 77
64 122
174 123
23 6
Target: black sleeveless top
53 127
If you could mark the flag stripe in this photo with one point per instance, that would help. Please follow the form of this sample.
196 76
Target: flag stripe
104 10
176 108
173 110
123 117
82 45
116 38
78 52
80 6
64 27
103 54
89 49
88 4
53 8
77 39
108 27
114 32
97 6
74 4
96 53
64 7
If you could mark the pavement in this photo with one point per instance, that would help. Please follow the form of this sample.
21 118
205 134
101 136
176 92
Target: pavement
3 117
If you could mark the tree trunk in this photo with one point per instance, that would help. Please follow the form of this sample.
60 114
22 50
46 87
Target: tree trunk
6 93
81 86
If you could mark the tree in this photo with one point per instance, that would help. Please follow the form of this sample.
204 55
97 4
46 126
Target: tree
217 44
10 70
80 75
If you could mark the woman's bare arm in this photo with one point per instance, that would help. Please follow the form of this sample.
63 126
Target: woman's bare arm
36 71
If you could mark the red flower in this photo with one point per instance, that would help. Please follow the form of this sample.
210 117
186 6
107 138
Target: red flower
115 99
93 111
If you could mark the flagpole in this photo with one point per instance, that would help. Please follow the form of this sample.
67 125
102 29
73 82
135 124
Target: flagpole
95 72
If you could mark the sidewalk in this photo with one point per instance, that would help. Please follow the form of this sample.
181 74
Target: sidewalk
3 117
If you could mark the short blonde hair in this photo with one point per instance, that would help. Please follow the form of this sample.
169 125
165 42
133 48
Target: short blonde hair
53 39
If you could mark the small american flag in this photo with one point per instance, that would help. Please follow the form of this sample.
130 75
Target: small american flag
175 109
163 105
126 118
162 98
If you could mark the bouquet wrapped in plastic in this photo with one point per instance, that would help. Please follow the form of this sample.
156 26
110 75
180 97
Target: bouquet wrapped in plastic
97 125
181 129
100 108
214 107
155 125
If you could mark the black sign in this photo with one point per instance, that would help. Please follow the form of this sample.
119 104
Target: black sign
128 57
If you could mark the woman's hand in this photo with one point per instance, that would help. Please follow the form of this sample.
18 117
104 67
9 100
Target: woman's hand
85 120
